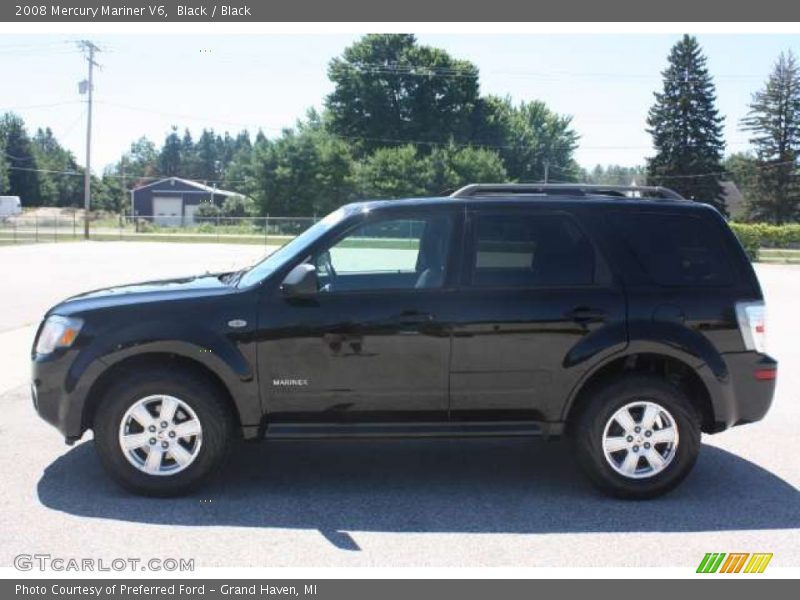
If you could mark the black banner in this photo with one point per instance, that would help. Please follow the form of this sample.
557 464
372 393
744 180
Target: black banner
386 589
149 11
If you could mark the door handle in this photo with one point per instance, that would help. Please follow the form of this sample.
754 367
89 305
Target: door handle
584 314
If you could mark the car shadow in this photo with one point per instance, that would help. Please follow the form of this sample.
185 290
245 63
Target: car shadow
472 486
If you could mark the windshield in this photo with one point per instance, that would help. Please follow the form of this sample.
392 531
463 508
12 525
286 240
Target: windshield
261 270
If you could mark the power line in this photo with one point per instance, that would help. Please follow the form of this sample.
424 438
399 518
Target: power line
48 105
127 176
247 180
398 141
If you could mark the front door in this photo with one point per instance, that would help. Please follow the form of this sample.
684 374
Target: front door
374 343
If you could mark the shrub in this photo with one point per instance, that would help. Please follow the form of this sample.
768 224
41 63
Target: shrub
238 206
764 235
206 209
145 226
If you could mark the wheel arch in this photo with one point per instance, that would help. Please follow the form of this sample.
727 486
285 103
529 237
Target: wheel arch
150 360
674 369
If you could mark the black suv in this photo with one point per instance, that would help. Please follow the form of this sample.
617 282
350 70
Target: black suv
628 319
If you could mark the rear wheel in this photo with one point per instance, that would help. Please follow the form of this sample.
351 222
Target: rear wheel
637 438
162 433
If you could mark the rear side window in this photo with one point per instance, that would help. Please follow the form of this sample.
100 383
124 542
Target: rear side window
677 250
530 250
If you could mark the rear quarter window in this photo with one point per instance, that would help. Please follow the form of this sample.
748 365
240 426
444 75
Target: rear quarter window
677 250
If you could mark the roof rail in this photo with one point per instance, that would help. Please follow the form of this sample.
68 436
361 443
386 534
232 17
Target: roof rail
569 189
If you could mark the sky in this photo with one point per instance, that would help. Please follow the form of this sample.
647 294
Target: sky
148 83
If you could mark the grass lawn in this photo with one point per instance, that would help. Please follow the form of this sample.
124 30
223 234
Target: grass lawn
779 255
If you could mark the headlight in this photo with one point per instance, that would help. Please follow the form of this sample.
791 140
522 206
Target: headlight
58 332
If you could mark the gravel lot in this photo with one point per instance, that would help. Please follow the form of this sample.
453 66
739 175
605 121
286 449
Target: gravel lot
386 503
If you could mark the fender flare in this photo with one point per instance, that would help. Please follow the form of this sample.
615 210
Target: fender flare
214 352
679 343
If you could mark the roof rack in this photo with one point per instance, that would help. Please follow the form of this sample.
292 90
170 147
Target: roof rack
568 189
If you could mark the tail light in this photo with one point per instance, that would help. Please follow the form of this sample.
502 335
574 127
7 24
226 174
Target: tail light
752 317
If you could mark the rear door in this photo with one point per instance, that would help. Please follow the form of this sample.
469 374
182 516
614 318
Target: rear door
538 305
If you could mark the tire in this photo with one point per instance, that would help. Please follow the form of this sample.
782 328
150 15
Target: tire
198 401
643 475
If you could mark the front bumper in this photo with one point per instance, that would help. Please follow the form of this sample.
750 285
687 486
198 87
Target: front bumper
59 388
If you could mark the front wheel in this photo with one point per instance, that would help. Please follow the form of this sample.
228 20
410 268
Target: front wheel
637 438
162 433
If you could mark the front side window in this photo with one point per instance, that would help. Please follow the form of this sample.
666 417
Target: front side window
530 250
407 253
285 253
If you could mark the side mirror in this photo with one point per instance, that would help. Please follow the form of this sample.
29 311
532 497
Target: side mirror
301 281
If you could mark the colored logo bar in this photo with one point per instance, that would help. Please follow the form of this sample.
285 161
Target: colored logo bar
734 562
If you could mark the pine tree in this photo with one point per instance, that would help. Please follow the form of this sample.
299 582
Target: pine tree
774 121
170 160
22 174
3 169
687 128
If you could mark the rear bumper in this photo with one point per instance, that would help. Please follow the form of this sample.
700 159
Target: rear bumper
745 393
754 378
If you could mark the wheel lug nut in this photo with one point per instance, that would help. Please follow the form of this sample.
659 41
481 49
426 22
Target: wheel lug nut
152 428
648 433
637 429
172 434
152 441
647 445
636 448
163 424
629 438
165 444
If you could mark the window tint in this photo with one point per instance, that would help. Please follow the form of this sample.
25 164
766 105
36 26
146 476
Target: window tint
676 250
529 250
389 254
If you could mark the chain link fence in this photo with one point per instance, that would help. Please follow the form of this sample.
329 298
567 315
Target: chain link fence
269 231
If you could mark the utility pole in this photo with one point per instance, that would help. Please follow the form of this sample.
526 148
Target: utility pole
124 194
547 171
87 87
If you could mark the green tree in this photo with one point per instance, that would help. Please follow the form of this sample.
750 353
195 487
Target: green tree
615 175
238 206
108 192
207 210
305 171
208 157
686 128
170 159
452 167
141 161
400 172
533 141
186 157
4 188
56 186
774 122
743 170
23 178
389 90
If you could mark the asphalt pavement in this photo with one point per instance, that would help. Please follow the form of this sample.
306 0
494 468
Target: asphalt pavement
377 503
